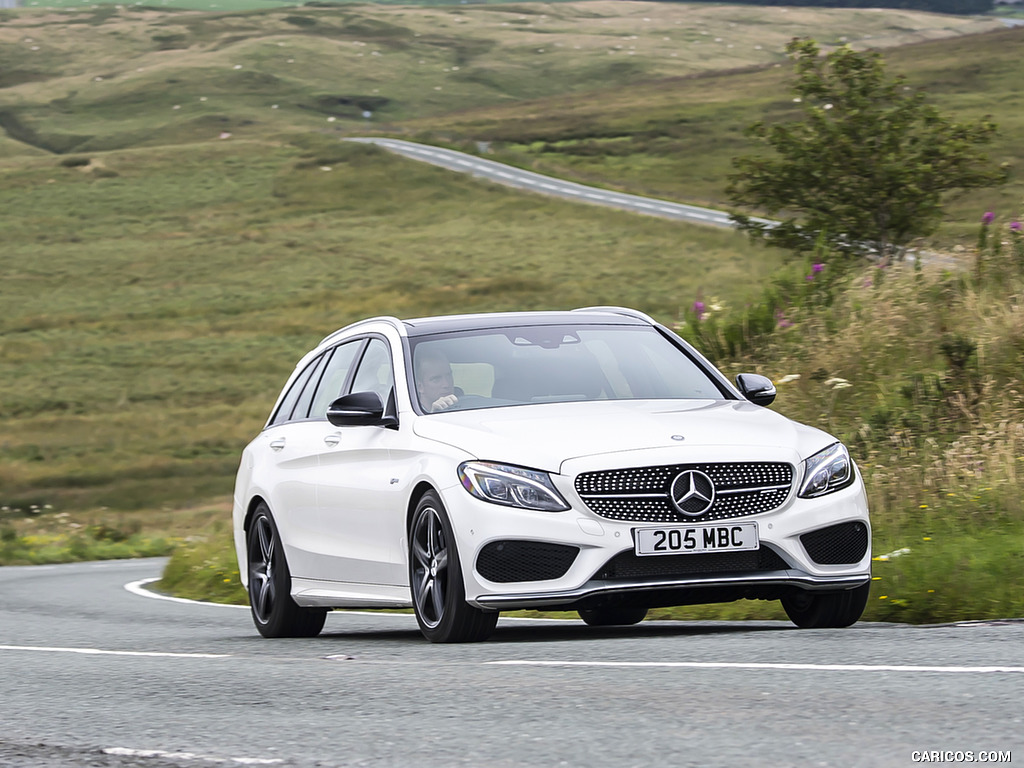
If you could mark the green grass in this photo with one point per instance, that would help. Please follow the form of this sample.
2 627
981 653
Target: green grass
152 312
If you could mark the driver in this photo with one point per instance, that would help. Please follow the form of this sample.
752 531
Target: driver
434 383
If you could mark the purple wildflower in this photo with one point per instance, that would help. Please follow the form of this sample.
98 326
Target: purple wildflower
810 277
988 218
698 309
817 268
1015 226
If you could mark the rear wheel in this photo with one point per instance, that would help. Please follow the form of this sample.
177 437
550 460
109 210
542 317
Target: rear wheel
435 575
827 610
274 612
611 617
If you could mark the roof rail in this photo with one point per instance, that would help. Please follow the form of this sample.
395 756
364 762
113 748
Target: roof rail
398 324
635 313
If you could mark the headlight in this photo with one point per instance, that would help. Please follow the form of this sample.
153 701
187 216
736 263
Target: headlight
511 486
827 471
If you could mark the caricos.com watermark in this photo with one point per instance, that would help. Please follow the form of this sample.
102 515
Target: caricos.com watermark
959 756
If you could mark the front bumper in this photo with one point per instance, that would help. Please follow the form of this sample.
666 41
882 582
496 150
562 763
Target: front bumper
788 567
771 585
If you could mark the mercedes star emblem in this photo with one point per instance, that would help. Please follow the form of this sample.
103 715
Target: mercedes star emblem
692 492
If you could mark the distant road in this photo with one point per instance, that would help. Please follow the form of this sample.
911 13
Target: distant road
511 176
547 185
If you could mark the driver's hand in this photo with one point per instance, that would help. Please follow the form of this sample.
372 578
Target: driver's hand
443 403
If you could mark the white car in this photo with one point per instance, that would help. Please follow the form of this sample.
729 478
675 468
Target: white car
585 460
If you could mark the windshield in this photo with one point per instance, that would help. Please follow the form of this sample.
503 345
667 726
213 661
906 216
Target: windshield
547 364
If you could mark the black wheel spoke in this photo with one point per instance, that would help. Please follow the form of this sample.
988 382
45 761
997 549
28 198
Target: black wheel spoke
421 555
438 597
264 594
431 533
266 537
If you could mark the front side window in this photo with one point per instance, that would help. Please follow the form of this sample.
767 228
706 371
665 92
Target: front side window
374 373
545 364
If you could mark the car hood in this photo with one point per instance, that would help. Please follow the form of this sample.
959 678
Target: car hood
544 436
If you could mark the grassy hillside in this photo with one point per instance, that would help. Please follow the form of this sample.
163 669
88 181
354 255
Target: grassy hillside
154 300
113 77
676 138
181 220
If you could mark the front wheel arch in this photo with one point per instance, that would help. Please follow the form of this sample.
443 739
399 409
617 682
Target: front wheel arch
436 583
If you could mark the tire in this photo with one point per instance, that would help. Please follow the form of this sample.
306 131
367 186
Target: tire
435 578
611 617
274 612
827 610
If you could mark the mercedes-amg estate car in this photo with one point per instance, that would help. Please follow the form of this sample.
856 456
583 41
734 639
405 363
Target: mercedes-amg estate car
585 460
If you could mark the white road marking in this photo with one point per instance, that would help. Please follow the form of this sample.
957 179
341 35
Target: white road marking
136 588
101 652
752 665
191 756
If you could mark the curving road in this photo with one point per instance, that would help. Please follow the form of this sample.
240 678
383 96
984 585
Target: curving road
548 185
92 674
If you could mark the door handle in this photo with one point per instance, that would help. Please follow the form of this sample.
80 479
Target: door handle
278 444
333 439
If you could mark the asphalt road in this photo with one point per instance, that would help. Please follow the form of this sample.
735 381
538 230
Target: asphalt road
548 185
95 675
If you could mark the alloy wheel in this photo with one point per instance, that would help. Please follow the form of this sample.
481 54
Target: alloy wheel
262 589
430 566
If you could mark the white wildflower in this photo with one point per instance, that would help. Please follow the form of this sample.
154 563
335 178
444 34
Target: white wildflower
893 555
789 377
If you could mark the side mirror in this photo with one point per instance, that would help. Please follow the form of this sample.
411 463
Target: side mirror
360 409
757 389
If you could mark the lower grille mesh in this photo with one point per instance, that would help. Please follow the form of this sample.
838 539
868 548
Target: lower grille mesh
627 565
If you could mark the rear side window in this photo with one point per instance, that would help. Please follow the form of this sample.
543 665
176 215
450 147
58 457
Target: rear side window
287 406
332 383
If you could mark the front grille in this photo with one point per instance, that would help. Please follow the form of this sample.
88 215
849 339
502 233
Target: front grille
838 544
627 565
642 494
514 560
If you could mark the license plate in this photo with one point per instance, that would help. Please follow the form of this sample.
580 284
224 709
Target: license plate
698 538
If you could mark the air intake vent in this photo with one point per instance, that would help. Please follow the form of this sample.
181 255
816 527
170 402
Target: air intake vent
838 544
514 560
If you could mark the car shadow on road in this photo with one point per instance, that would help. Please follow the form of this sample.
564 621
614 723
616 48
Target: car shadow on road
526 631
